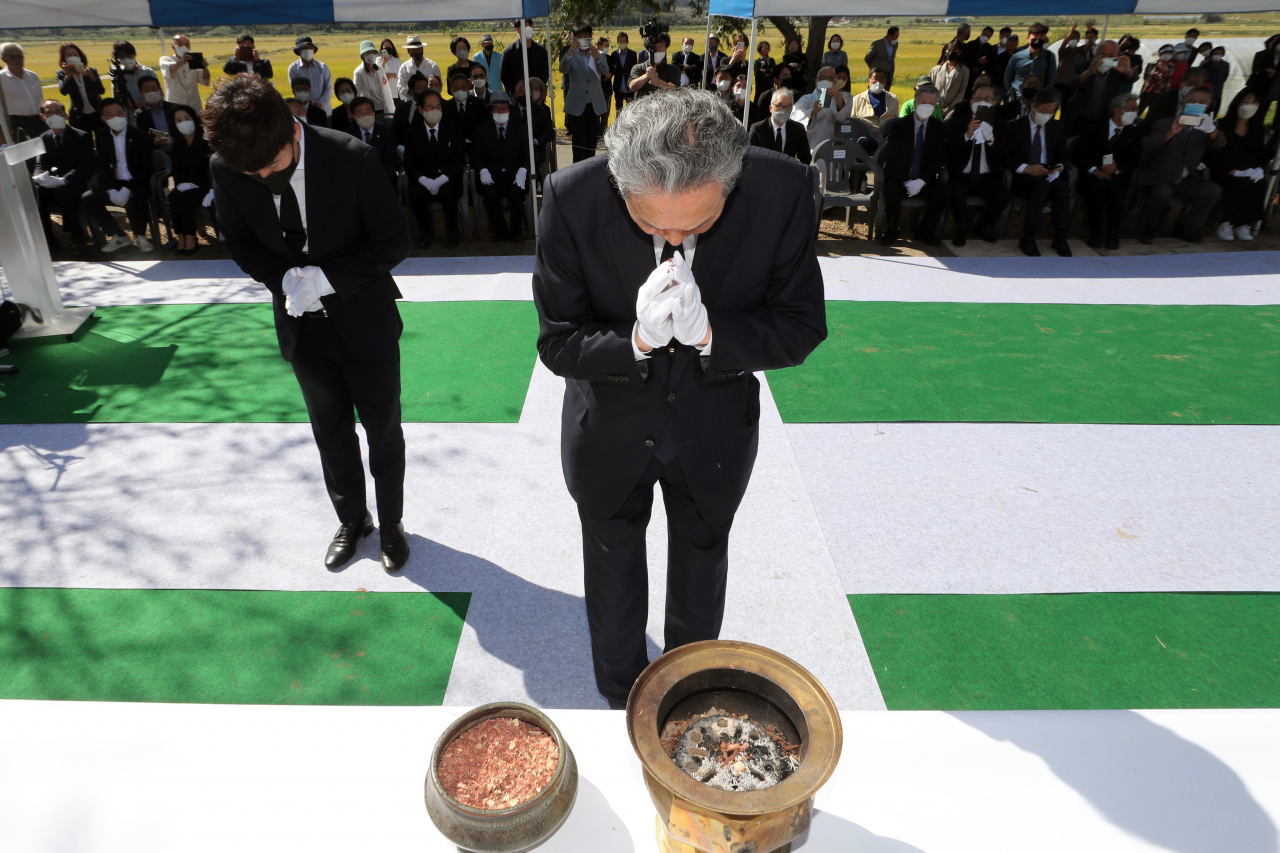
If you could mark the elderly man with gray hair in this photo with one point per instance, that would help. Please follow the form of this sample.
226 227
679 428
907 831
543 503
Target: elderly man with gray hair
660 291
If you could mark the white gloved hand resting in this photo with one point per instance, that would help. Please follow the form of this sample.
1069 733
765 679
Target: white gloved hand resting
521 177
1257 174
303 287
485 177
184 186
688 314
914 186
208 199
440 181
654 306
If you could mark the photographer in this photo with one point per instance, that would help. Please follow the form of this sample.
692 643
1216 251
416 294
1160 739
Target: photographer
245 60
126 74
654 73
184 73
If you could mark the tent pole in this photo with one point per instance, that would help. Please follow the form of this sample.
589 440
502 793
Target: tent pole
160 35
532 180
751 76
704 82
1106 19
551 71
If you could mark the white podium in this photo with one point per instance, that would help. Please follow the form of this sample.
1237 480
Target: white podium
24 255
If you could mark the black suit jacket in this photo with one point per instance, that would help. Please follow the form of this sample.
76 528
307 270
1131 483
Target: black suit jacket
339 119
1014 141
406 114
900 149
796 145
620 64
1125 147
356 231
706 74
764 296
138 157
93 88
385 144
447 156
72 157
690 64
960 150
469 116
505 158
145 121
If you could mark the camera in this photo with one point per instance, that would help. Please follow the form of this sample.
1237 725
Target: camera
651 30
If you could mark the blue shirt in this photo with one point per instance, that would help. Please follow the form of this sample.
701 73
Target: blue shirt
492 67
1022 66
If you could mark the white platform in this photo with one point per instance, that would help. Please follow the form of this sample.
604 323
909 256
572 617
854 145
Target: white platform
107 777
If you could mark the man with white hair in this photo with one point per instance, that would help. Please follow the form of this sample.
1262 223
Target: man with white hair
22 92
182 77
779 132
660 291
822 108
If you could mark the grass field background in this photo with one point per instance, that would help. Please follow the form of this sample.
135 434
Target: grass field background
918 49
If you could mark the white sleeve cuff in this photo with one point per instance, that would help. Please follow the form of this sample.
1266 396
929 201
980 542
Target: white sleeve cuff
1092 169
706 351
635 349
1022 168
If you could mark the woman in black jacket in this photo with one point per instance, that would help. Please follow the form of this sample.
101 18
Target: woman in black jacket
190 158
544 129
344 89
460 48
1240 167
795 59
82 86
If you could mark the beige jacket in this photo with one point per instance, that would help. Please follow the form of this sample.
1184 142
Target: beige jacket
862 108
953 93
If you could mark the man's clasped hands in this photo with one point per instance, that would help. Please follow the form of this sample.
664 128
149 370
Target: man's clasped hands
669 305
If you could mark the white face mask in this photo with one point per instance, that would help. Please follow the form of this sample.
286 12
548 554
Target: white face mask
780 117
688 48
500 119
129 64
117 123
1217 57
835 45
480 84
1004 39
307 54
924 110
1247 111
1129 117
528 32
1190 40
740 94
303 97
723 85
365 122
461 54
1103 69
153 98
584 44
460 96
825 84
1165 57
59 123
875 88
983 104
179 50
433 117
983 39
369 58
186 128
1073 43
1041 119
345 97
658 56
73 61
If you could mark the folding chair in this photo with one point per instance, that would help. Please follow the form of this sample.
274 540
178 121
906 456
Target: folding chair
839 162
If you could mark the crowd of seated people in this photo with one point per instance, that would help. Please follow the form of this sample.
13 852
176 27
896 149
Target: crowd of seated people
997 121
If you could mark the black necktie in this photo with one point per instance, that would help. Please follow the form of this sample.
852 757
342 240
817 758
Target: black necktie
975 162
368 138
433 136
777 137
295 236
502 135
668 252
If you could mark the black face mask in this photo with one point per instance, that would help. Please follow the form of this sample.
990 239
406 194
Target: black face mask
1030 92
1037 43
277 182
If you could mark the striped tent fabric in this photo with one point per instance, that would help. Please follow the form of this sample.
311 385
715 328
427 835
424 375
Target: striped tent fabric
978 8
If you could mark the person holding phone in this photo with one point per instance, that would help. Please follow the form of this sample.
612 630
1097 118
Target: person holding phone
155 115
1107 156
1035 148
1172 156
1098 82
82 86
245 60
974 163
184 73
820 110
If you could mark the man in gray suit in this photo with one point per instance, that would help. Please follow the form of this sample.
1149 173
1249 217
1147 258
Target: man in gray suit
583 67
1171 167
882 53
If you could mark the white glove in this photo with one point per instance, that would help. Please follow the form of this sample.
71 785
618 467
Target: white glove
486 178
439 182
1052 176
184 186
1256 174
654 306
914 186
1206 124
400 148
119 197
49 181
521 177
428 184
208 199
303 287
688 314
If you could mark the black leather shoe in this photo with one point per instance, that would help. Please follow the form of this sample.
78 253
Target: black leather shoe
1028 247
452 241
1095 240
1113 242
986 231
1147 237
395 547
346 540
889 235
928 239
1061 246
960 239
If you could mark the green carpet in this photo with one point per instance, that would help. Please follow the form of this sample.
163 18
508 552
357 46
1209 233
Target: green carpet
234 647
461 362
1088 650
949 362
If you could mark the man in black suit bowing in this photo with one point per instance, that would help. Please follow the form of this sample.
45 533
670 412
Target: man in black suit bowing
660 290
1035 148
779 133
308 212
914 153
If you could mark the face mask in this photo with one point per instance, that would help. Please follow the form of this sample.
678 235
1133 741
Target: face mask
479 83
277 182
622 45
1190 40
584 44
500 119
186 128
688 48
1194 109
1247 111
983 39
825 84
1041 119
461 54
841 83
308 54
783 83
953 56
59 123
983 104
345 97
302 119
1029 92
1165 57
365 122
1129 117
1004 39
893 43
304 97
875 88
723 85
740 94
180 51
117 123
835 45
73 61
1072 43
460 96
1037 43
780 117
370 58
924 110
658 56
433 117
129 64
153 98
528 32
1218 57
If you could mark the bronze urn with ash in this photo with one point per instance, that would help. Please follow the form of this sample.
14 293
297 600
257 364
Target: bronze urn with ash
734 740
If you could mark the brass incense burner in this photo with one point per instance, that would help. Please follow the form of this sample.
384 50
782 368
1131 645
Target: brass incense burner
746 680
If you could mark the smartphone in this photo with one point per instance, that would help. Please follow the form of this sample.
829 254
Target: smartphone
822 97
196 60
1189 121
1108 159
160 135
244 54
986 113
1110 63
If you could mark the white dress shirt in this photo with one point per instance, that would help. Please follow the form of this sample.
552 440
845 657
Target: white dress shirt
409 68
182 82
22 96
823 127
122 162
85 107
298 182
687 248
984 136
321 82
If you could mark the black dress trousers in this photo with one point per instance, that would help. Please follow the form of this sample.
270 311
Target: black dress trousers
337 386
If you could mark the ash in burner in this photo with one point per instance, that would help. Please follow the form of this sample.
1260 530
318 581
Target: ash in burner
730 752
